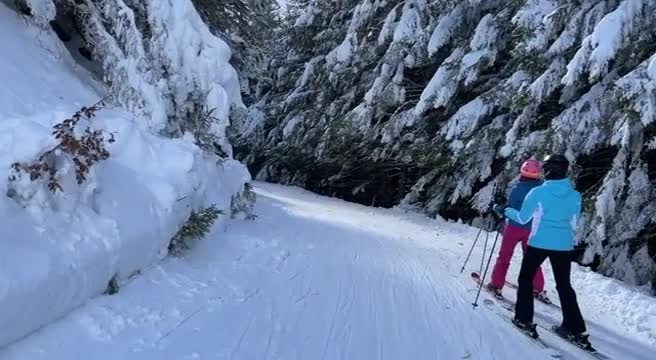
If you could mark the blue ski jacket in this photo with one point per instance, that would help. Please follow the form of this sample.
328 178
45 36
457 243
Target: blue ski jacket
554 208
517 195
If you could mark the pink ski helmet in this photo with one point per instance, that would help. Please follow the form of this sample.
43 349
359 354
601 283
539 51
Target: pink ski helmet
531 169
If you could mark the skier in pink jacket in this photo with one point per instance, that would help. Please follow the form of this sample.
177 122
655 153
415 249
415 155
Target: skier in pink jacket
515 233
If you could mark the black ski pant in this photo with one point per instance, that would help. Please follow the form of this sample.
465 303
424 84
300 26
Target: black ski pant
561 263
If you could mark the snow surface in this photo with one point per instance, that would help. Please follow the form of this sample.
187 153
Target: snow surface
57 251
319 278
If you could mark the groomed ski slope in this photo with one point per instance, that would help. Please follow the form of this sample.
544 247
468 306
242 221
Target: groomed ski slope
318 278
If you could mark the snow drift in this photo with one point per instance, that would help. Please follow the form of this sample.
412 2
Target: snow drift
60 249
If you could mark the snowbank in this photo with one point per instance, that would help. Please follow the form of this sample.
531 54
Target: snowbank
57 251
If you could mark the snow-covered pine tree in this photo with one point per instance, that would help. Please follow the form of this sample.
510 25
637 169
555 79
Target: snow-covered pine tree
294 9
246 25
434 104
160 59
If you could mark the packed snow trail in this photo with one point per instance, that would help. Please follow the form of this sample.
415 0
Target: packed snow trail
318 278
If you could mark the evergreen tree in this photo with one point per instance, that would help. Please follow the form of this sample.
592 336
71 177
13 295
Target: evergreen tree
160 59
246 25
434 104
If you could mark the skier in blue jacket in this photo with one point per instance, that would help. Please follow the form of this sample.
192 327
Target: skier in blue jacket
554 209
514 233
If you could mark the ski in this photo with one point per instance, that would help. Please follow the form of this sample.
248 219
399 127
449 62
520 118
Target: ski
508 305
542 300
476 276
588 349
552 351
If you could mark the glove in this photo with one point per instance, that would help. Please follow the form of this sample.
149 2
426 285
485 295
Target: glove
500 210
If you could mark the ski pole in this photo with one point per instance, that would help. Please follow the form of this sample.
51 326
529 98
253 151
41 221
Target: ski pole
487 237
471 250
480 270
480 285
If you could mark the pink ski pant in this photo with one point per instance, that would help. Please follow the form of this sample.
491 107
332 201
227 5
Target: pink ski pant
512 235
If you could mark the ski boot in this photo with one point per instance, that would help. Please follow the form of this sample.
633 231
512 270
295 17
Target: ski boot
542 297
580 340
495 291
527 328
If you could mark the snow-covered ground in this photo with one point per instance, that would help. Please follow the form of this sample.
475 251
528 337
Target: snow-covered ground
319 278
59 250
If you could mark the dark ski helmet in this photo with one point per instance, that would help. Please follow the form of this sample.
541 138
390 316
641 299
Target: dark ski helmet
555 167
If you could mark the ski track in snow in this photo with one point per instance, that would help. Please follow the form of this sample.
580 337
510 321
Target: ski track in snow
318 278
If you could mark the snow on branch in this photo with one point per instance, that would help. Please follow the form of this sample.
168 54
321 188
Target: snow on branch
388 26
164 64
443 85
536 19
609 36
445 29
344 52
546 83
465 120
411 22
121 47
638 89
652 144
43 11
307 16
483 48
360 16
568 36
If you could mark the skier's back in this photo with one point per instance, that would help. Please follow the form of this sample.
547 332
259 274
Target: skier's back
554 209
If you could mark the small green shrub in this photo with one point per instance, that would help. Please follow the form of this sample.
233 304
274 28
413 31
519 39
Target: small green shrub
196 227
